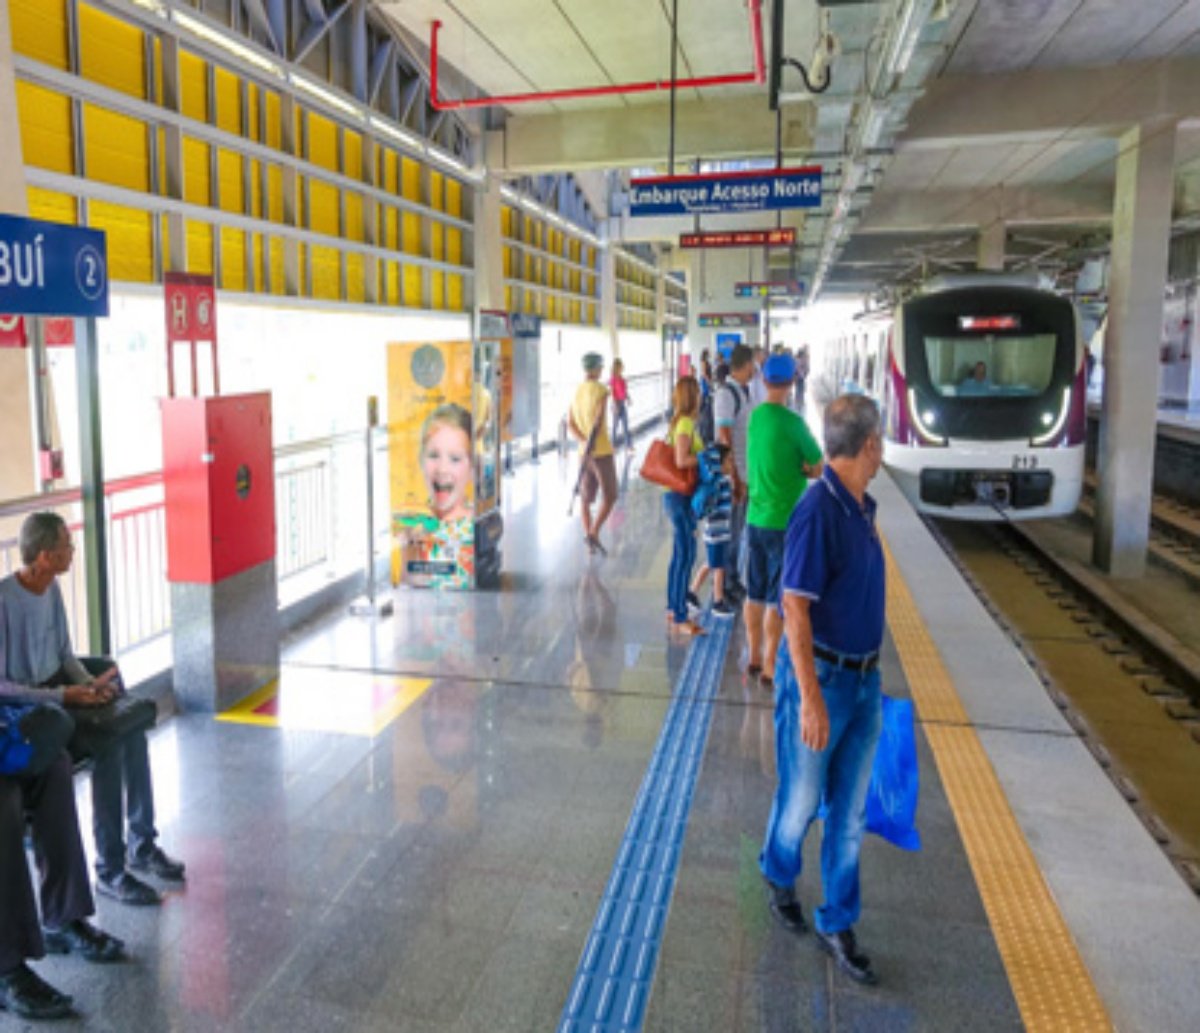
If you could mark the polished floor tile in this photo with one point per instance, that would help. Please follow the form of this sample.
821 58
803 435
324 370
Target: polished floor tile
358 864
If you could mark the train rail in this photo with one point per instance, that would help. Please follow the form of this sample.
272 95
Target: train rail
1127 686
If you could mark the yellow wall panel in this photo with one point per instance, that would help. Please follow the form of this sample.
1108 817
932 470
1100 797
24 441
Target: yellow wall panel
352 147
255 199
453 197
437 191
274 121
411 241
437 240
508 301
253 110
196 175
275 193
229 101
437 287
391 283
39 30
391 229
391 172
410 176
454 293
322 142
355 227
45 128
413 294
323 202
233 259
229 181
199 247
130 243
51 206
454 246
255 279
506 221
508 262
116 149
356 277
275 261
110 52
193 78
326 273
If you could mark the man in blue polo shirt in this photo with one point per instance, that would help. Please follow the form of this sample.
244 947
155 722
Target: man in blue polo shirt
827 703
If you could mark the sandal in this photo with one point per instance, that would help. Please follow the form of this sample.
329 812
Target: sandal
753 670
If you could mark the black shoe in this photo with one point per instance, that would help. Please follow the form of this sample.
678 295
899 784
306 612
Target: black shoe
844 950
785 908
127 889
82 938
693 600
723 609
157 861
23 992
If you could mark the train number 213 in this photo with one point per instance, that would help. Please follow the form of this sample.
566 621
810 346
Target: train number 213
1024 462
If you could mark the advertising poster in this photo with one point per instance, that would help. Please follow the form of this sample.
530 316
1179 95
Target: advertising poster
433 448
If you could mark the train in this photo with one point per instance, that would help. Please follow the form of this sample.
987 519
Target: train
982 386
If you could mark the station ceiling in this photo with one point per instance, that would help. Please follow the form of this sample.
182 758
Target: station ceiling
1005 111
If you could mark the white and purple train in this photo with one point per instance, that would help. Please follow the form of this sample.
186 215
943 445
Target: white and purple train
982 387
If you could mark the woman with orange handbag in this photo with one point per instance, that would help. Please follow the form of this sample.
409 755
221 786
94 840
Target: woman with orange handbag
686 444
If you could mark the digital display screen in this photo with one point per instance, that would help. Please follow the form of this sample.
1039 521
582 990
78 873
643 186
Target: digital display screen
982 324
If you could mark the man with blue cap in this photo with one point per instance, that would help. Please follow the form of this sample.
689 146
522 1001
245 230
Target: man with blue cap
588 421
781 454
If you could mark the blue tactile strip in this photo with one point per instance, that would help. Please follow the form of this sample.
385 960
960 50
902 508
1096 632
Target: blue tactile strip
612 983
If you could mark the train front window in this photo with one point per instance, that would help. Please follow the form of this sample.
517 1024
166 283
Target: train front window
990 365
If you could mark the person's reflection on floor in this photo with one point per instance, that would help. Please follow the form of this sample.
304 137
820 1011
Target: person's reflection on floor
594 614
756 738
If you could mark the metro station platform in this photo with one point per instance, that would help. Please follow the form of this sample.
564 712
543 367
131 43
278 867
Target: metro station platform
425 828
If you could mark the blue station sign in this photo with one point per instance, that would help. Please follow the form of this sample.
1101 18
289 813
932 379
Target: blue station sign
49 269
753 191
769 289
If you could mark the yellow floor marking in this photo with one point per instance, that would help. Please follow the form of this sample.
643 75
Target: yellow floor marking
1050 982
318 700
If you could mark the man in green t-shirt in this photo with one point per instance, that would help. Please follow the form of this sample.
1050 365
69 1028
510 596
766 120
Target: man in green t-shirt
781 454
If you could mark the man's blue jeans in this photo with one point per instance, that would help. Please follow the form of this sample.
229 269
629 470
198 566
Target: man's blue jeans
122 770
839 775
679 511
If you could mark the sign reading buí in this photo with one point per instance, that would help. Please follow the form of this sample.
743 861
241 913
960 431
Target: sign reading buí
752 191
49 269
739 238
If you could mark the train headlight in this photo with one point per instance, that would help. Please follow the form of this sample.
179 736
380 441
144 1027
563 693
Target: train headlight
925 420
1054 422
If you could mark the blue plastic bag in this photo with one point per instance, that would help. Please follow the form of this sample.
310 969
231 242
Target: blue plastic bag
16 751
892 796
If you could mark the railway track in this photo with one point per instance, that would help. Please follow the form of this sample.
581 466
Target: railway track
1174 530
1130 690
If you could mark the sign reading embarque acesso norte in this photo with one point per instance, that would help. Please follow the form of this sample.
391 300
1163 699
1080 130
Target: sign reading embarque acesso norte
752 191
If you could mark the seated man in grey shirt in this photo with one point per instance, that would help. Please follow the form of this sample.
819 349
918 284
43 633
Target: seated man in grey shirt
35 649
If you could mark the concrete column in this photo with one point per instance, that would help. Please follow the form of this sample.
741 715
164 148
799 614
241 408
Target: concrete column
608 297
16 414
1137 278
991 246
489 239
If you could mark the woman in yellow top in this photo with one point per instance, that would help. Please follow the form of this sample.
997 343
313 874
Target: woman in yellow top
683 436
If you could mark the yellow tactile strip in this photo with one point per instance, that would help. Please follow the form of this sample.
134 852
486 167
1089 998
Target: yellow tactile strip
1050 982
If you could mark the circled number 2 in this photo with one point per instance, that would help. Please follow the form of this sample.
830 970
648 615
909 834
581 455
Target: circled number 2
1024 462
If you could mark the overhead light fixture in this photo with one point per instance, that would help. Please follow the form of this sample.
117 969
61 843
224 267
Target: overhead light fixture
410 140
211 34
904 41
151 5
328 96
509 194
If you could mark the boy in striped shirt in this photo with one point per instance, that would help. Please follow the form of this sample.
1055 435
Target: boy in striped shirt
717 534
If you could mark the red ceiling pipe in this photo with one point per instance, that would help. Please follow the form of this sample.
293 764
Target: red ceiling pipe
759 75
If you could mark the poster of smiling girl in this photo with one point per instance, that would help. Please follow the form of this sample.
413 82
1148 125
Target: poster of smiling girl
432 460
